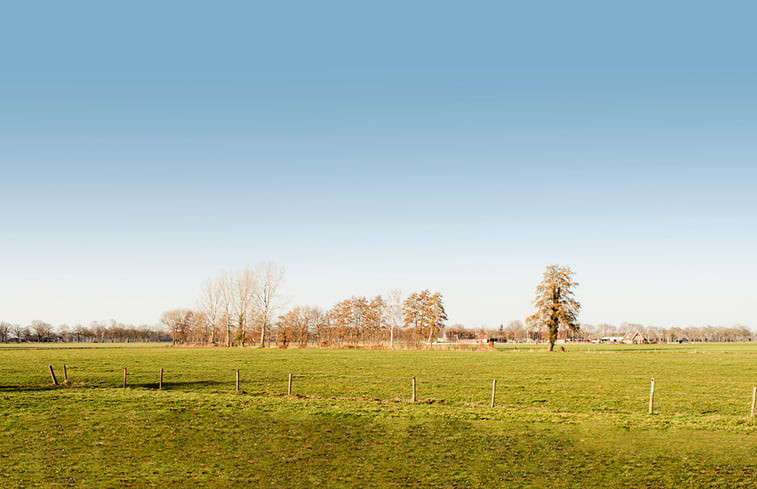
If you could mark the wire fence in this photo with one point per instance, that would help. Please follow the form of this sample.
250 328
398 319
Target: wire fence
633 394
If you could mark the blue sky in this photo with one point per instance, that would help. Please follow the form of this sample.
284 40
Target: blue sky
457 147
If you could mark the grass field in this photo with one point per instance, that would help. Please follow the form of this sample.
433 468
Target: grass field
571 419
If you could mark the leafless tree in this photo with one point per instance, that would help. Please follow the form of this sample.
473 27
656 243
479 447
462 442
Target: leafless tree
225 292
270 276
22 333
245 294
393 313
180 323
65 332
211 305
41 329
515 331
5 329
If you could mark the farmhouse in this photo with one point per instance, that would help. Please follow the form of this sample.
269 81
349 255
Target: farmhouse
634 338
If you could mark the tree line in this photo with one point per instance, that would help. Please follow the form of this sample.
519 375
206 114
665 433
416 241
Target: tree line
240 309
97 332
243 308
517 331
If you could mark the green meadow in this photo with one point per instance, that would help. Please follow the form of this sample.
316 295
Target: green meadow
565 419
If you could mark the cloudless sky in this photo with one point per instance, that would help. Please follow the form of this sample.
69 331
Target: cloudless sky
456 146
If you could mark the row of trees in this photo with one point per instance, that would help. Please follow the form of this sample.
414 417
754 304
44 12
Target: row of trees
96 332
239 309
235 308
517 331
352 321
360 320
307 324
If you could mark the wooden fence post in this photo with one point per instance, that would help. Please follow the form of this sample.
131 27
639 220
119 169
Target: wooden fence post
414 398
237 381
124 377
65 374
52 374
289 386
754 399
160 383
494 391
651 397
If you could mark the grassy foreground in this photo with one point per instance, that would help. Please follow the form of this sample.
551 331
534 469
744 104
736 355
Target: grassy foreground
569 419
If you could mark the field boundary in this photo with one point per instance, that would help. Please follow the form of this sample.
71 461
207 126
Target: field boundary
408 388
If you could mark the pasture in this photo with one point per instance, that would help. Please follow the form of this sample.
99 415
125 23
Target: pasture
578 418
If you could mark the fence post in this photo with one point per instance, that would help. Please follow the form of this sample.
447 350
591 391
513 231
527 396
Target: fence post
65 374
494 391
160 383
52 374
651 397
124 377
414 398
237 381
289 386
754 398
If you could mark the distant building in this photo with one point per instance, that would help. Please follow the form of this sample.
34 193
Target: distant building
634 338
611 339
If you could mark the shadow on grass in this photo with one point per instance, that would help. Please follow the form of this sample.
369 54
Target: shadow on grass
29 388
181 385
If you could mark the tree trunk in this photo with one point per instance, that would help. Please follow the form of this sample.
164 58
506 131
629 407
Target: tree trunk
553 327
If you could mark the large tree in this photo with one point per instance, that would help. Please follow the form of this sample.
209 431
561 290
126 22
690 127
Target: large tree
556 306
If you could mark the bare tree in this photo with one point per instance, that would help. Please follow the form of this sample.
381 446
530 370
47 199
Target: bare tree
180 323
5 329
270 276
23 333
393 313
225 291
65 332
515 330
41 329
19 332
79 331
211 305
245 294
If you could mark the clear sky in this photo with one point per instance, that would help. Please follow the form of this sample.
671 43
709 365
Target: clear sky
456 146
